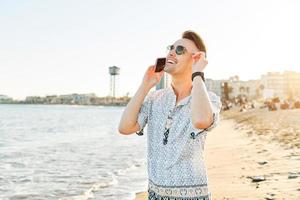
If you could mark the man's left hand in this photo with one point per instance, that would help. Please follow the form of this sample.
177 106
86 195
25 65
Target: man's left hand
199 61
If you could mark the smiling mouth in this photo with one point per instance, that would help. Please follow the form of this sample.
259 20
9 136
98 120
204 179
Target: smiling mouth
172 62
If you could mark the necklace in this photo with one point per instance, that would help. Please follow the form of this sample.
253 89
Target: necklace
168 126
167 129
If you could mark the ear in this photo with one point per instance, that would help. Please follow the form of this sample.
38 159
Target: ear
196 56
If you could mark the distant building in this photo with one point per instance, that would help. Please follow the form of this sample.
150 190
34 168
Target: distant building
34 100
283 85
114 73
233 87
82 99
247 89
50 99
5 99
165 81
214 86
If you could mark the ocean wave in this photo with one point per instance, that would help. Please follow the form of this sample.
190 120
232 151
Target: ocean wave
131 167
89 193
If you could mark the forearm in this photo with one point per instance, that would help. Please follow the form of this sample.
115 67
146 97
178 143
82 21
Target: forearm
201 107
130 114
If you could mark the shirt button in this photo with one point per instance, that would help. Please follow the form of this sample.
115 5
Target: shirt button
192 135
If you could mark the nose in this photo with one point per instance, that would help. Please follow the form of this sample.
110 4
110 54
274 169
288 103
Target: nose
172 53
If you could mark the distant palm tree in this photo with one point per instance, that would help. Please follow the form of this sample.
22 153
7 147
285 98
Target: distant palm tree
236 77
261 87
242 88
230 89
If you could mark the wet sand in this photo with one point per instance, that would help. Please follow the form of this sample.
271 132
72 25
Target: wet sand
253 145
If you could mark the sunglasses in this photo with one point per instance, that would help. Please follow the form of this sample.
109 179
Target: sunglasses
179 49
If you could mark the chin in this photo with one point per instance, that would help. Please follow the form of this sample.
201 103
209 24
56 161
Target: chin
169 69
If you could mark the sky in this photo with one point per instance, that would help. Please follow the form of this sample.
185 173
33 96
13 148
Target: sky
66 46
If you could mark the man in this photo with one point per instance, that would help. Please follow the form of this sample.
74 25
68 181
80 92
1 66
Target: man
178 119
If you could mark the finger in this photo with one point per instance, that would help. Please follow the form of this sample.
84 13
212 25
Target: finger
202 53
151 68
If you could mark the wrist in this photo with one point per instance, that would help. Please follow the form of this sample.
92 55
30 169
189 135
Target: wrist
197 70
198 74
145 87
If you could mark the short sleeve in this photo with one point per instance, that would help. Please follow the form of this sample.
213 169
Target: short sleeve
216 108
144 113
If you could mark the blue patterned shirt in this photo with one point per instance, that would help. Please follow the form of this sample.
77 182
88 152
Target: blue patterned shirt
175 168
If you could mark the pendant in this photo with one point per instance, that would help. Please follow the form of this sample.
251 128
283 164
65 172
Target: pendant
166 134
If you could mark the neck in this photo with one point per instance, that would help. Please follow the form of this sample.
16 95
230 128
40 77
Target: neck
182 87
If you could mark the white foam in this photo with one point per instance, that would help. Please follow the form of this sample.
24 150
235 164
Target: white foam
121 172
88 194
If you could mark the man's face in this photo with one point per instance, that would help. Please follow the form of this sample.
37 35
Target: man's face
180 64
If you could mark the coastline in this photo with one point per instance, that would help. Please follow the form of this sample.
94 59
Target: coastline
60 104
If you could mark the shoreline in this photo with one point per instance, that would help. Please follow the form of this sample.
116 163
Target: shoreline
233 166
53 104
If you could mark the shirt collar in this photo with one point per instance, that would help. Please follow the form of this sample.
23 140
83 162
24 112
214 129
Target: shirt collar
172 94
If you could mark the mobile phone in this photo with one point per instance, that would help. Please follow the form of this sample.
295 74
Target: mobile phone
160 64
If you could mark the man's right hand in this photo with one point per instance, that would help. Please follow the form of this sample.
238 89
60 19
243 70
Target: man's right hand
151 78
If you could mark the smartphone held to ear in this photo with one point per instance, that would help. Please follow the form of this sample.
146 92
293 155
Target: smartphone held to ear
160 64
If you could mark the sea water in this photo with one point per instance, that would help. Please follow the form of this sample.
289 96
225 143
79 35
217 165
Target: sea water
68 152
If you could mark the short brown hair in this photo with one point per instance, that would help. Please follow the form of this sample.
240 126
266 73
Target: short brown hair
193 36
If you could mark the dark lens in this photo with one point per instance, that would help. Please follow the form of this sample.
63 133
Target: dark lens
180 50
170 47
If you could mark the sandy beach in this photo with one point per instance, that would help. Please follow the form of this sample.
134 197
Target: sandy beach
253 155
